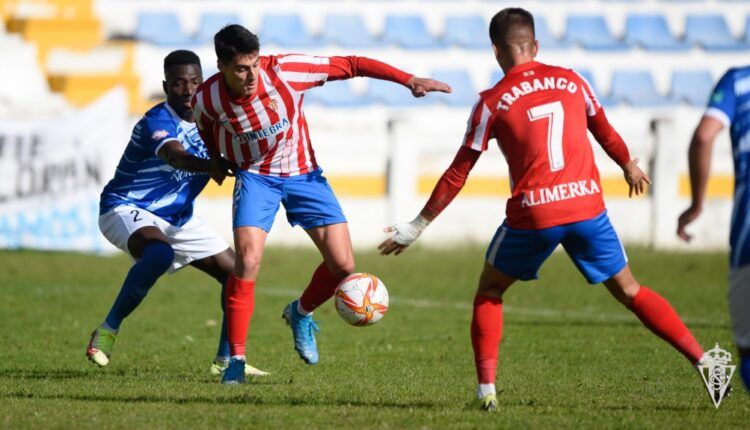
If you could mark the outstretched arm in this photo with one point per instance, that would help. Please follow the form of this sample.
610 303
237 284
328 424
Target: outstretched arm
449 185
615 147
699 162
175 155
351 66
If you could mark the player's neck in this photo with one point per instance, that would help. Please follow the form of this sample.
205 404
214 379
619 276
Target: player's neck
184 114
515 61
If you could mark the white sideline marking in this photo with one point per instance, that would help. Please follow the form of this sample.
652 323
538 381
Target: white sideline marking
512 310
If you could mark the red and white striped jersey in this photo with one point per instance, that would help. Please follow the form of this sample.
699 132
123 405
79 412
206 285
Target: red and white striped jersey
539 115
267 133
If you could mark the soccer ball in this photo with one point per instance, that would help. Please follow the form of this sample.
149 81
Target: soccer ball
361 299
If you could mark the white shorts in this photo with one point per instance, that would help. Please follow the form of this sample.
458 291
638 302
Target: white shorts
194 240
739 305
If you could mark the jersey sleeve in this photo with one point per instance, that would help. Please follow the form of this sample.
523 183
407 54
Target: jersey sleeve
303 72
157 131
589 96
205 125
478 132
722 104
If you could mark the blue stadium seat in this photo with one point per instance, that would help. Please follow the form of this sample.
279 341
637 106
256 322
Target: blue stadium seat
711 32
212 23
691 86
464 93
160 28
393 94
347 30
604 100
285 30
636 88
651 31
468 31
409 31
545 37
336 94
496 76
592 33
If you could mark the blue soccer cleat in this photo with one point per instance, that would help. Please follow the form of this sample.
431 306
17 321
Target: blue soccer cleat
303 331
235 373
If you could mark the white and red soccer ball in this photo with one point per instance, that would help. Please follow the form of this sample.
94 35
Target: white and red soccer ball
361 299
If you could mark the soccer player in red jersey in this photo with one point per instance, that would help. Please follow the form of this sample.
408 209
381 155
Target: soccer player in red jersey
251 113
539 115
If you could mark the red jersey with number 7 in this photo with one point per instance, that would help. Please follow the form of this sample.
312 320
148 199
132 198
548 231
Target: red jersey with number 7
539 115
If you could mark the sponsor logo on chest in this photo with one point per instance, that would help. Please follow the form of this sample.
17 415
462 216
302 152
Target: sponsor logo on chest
254 135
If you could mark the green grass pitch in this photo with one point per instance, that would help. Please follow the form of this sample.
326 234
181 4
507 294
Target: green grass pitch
571 356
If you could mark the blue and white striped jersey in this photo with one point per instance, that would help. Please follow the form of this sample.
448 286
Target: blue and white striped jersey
144 180
730 104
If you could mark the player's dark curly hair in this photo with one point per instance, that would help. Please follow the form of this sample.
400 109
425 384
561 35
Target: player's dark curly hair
234 39
506 21
181 57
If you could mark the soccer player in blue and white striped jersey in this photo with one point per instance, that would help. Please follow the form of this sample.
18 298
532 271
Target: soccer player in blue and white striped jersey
729 107
147 208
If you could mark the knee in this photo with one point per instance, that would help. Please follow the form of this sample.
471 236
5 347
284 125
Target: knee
247 266
159 254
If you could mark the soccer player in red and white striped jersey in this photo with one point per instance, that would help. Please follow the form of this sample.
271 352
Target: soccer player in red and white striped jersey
539 115
251 113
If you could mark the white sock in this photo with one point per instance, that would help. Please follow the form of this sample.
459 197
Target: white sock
484 389
239 357
301 310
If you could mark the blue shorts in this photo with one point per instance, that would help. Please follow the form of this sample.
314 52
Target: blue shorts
592 244
308 199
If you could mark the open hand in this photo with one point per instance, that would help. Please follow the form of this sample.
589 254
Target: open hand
636 178
421 86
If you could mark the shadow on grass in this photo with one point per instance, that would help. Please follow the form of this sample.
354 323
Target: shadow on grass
117 375
244 398
618 322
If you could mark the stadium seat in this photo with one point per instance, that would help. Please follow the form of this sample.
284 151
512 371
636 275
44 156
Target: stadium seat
592 33
712 33
636 88
285 30
408 31
464 93
347 30
651 31
693 86
546 39
468 31
393 94
604 100
336 94
212 23
496 76
160 28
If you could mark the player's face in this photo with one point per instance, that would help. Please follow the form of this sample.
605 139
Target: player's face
181 82
241 74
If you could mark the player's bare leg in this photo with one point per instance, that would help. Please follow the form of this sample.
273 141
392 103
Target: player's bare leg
249 243
487 331
149 246
220 267
655 313
334 243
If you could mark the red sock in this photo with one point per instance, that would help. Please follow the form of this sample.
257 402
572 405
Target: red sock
240 297
658 315
322 287
486 331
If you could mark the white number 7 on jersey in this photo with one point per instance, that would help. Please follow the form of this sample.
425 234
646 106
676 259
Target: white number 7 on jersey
554 112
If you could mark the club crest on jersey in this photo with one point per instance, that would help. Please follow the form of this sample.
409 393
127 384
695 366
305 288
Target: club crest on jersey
265 133
273 104
159 134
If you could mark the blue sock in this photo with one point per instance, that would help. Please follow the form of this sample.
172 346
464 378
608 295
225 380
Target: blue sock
156 259
745 371
223 350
